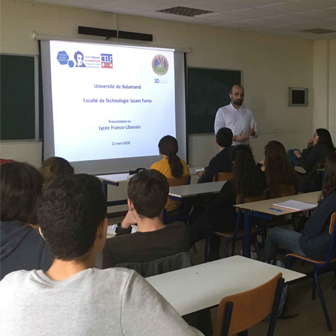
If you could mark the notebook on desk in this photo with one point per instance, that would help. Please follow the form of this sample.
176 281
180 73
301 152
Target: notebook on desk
296 205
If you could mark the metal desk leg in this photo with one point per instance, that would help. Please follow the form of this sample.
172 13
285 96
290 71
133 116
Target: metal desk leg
105 189
247 234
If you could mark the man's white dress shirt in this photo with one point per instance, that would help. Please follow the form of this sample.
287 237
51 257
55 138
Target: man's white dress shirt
237 120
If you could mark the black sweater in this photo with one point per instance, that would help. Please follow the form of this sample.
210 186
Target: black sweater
221 163
315 238
310 159
22 248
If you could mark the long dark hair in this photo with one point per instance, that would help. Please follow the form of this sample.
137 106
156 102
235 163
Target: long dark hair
278 169
329 181
325 138
248 178
169 147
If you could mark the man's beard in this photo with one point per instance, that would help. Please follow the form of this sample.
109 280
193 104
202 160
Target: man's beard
238 102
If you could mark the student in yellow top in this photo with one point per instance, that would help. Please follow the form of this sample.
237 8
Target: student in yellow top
171 165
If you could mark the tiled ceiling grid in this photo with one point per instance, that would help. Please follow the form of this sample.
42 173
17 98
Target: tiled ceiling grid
276 17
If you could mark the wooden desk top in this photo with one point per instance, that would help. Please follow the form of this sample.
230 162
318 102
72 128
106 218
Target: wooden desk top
195 288
263 206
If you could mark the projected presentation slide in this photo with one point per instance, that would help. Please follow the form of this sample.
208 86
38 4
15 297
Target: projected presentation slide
110 101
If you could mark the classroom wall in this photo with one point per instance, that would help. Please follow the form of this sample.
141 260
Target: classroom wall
324 79
269 65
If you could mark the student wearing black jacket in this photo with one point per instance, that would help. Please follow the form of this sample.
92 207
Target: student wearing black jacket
21 246
319 147
222 162
313 241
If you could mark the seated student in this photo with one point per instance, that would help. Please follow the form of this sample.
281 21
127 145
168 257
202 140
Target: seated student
21 246
248 180
54 167
72 297
319 147
222 162
170 165
281 177
147 197
314 239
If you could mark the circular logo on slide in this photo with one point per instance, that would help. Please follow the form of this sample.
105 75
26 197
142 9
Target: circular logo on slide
160 65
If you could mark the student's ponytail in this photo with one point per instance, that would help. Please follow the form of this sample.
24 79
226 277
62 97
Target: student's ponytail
169 147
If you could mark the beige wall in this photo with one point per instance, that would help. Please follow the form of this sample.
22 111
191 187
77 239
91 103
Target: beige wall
324 77
269 65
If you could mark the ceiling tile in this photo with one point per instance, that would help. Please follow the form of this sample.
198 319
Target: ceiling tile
172 3
319 14
319 4
285 8
284 19
140 5
252 13
215 6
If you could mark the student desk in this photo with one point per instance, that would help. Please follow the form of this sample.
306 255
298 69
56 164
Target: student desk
115 179
203 286
190 190
261 209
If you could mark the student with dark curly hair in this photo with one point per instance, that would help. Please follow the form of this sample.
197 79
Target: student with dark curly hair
21 247
54 167
281 177
73 297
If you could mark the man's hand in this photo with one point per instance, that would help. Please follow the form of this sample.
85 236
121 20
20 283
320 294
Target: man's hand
310 142
297 153
200 173
240 137
252 131
128 220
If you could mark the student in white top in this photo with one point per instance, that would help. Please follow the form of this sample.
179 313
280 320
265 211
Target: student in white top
72 297
237 117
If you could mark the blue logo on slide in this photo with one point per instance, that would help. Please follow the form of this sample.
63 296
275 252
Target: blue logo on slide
106 61
160 65
62 57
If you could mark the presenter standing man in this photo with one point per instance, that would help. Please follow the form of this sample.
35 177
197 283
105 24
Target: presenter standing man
237 117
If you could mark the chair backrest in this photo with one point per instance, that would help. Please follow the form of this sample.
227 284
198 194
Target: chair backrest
332 232
242 199
159 266
239 312
284 190
174 182
222 177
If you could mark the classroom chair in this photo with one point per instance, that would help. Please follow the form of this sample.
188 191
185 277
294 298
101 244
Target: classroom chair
161 265
180 213
237 313
320 266
222 177
232 237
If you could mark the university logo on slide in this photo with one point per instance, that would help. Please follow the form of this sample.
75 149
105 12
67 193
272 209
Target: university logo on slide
106 61
160 65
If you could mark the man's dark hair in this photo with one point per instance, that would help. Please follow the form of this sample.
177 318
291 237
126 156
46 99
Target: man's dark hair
238 85
71 209
148 190
224 137
21 185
